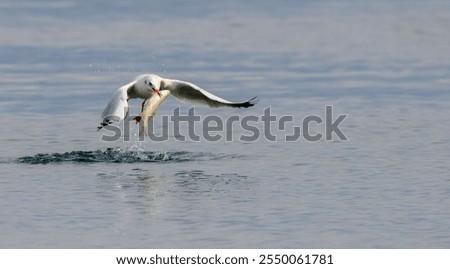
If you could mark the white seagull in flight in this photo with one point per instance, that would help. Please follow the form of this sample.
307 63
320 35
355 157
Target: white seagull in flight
154 90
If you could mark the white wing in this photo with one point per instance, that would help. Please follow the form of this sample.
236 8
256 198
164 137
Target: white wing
187 91
117 108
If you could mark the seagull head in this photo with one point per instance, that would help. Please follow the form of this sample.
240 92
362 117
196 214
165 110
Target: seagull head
149 82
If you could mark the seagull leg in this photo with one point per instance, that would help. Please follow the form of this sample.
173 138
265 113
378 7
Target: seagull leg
137 119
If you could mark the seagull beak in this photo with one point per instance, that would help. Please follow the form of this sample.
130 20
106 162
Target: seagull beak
157 91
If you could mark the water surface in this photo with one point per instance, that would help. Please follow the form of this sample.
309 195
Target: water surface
384 64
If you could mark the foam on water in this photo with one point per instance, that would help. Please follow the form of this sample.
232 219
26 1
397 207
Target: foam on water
115 155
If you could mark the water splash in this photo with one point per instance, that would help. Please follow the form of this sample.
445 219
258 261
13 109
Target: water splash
115 155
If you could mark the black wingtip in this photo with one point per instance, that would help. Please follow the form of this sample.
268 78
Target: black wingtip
249 103
254 101
103 124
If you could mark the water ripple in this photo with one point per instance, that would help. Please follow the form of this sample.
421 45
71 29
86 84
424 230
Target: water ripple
116 155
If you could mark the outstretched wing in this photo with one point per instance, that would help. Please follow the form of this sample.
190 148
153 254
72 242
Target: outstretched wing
189 92
117 108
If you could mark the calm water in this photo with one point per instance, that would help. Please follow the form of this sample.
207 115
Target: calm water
386 65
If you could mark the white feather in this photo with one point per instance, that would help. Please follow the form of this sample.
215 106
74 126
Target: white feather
117 108
190 92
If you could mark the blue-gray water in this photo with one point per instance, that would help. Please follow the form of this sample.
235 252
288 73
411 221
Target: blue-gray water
384 63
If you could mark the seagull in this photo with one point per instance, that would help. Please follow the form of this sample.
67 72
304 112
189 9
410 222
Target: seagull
154 90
